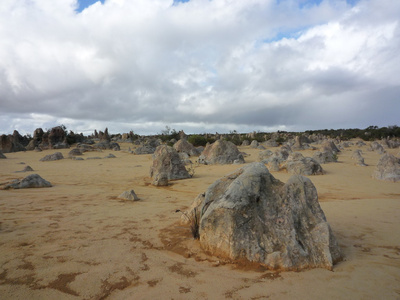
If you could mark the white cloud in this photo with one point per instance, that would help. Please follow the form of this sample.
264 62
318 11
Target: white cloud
140 64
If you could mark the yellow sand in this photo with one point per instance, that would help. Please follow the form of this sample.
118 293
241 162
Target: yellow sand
77 240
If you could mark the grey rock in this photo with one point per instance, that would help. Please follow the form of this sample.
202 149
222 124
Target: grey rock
30 181
220 152
388 168
2 156
129 195
52 157
144 150
300 165
250 215
160 179
183 146
110 156
166 160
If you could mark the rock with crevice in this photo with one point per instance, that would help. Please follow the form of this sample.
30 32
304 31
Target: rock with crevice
250 215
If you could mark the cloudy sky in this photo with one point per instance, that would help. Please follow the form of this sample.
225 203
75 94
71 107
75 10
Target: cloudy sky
199 65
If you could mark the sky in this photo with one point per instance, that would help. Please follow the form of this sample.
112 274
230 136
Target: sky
199 65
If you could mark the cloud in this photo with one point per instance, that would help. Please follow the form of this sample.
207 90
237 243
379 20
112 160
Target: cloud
200 65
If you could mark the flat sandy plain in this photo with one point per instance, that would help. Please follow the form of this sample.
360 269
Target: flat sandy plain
77 240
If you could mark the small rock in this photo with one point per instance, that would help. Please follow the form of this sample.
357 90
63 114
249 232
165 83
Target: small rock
129 195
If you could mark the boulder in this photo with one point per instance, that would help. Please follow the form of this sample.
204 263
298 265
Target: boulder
8 143
57 138
26 169
221 152
52 157
388 168
245 143
250 215
110 156
183 146
30 181
375 146
325 156
144 150
358 158
2 156
254 144
329 146
166 160
300 165
74 152
129 195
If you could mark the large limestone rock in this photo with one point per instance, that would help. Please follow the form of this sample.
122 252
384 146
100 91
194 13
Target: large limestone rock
166 160
300 165
388 168
9 143
183 146
358 157
30 181
221 152
250 215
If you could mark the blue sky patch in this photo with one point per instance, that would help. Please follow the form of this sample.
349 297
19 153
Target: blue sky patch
82 4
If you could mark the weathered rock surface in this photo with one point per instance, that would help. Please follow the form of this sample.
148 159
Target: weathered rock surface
26 169
166 160
30 181
2 155
325 156
74 152
388 168
183 146
160 179
375 146
358 158
221 152
129 195
144 150
52 157
250 215
300 165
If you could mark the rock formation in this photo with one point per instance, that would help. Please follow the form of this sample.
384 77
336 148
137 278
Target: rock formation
166 160
52 157
30 181
388 168
300 165
2 155
250 215
358 157
221 152
129 195
183 146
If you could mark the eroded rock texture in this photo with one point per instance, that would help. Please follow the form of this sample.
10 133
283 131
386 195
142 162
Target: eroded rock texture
250 215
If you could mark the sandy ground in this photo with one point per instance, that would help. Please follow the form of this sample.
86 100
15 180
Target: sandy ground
77 240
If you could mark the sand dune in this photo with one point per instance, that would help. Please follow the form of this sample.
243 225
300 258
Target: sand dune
77 240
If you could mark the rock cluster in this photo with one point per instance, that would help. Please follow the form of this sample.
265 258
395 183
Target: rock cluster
52 157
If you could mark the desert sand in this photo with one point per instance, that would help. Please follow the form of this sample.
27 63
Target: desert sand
77 240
